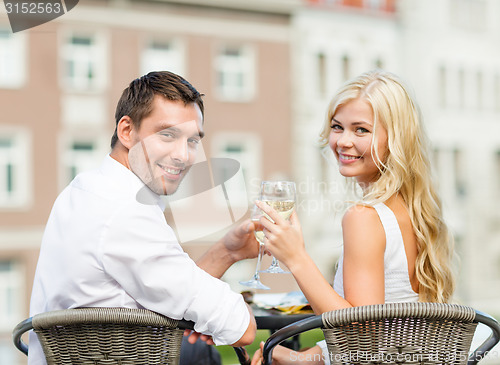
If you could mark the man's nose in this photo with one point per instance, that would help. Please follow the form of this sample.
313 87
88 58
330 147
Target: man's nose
180 152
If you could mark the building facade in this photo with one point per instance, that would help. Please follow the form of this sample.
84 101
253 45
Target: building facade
59 85
446 52
268 69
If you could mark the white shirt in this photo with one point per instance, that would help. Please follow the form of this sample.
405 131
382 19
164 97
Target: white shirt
107 244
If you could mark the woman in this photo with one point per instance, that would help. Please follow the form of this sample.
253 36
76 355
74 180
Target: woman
396 245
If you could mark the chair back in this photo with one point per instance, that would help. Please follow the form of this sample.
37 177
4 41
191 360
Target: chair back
108 336
396 333
400 333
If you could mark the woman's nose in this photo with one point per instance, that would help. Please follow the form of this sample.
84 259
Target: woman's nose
344 140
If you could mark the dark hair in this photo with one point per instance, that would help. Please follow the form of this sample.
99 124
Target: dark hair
137 99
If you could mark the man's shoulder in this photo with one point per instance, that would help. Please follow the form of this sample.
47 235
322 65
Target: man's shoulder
96 183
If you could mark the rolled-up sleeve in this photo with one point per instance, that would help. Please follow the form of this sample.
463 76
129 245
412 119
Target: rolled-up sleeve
140 252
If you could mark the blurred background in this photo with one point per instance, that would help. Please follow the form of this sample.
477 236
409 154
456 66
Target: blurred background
268 69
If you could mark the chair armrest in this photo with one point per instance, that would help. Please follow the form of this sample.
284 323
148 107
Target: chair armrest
242 355
490 342
286 332
18 331
186 325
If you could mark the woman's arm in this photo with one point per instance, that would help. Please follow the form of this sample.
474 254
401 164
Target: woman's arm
364 247
364 244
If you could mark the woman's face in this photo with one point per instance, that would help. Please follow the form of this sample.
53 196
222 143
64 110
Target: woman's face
351 141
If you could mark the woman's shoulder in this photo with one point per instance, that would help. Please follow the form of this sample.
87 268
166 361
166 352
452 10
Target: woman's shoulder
363 233
360 214
362 222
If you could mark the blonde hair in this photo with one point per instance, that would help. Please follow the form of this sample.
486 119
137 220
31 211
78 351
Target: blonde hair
405 171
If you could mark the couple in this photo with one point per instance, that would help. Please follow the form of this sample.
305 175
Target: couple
103 247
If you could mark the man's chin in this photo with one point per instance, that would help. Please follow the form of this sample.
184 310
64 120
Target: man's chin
164 187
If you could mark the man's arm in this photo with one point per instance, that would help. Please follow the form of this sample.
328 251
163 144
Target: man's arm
246 339
238 244
249 335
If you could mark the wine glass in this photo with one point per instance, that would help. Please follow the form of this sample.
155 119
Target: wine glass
254 282
281 196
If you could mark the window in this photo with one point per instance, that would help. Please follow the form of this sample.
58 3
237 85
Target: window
469 14
321 64
11 298
15 180
163 56
442 89
12 59
479 88
235 73
346 68
84 61
81 155
460 175
461 88
246 149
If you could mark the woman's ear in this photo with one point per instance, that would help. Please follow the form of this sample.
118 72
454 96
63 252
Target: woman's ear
125 131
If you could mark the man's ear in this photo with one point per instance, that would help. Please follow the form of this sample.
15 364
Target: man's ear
125 131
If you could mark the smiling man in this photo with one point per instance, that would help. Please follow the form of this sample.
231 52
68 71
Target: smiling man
107 243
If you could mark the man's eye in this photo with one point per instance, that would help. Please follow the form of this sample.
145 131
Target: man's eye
194 141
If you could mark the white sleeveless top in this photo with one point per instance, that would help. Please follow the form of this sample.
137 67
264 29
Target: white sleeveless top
397 280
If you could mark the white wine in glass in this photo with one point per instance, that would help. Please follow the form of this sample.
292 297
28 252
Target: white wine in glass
281 196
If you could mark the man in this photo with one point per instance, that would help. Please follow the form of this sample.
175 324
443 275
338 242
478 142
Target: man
107 244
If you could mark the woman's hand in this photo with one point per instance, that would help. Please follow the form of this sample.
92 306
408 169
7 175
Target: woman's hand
283 238
285 356
281 356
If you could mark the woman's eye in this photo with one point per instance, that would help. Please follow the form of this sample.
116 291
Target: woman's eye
336 127
362 130
194 141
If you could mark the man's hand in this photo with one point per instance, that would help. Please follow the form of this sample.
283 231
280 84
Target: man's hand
193 337
240 242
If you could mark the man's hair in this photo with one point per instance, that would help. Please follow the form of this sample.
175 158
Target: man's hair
137 99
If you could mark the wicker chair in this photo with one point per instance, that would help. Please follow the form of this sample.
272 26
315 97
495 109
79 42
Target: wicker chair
396 333
105 336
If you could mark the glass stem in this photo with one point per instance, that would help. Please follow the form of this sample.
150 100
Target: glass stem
275 263
259 261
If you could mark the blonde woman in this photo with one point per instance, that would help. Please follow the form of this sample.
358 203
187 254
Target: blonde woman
396 246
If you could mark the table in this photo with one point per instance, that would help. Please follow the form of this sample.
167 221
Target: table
273 320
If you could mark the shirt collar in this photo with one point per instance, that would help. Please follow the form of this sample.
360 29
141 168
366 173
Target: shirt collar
130 181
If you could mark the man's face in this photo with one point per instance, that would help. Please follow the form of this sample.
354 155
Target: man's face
165 145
